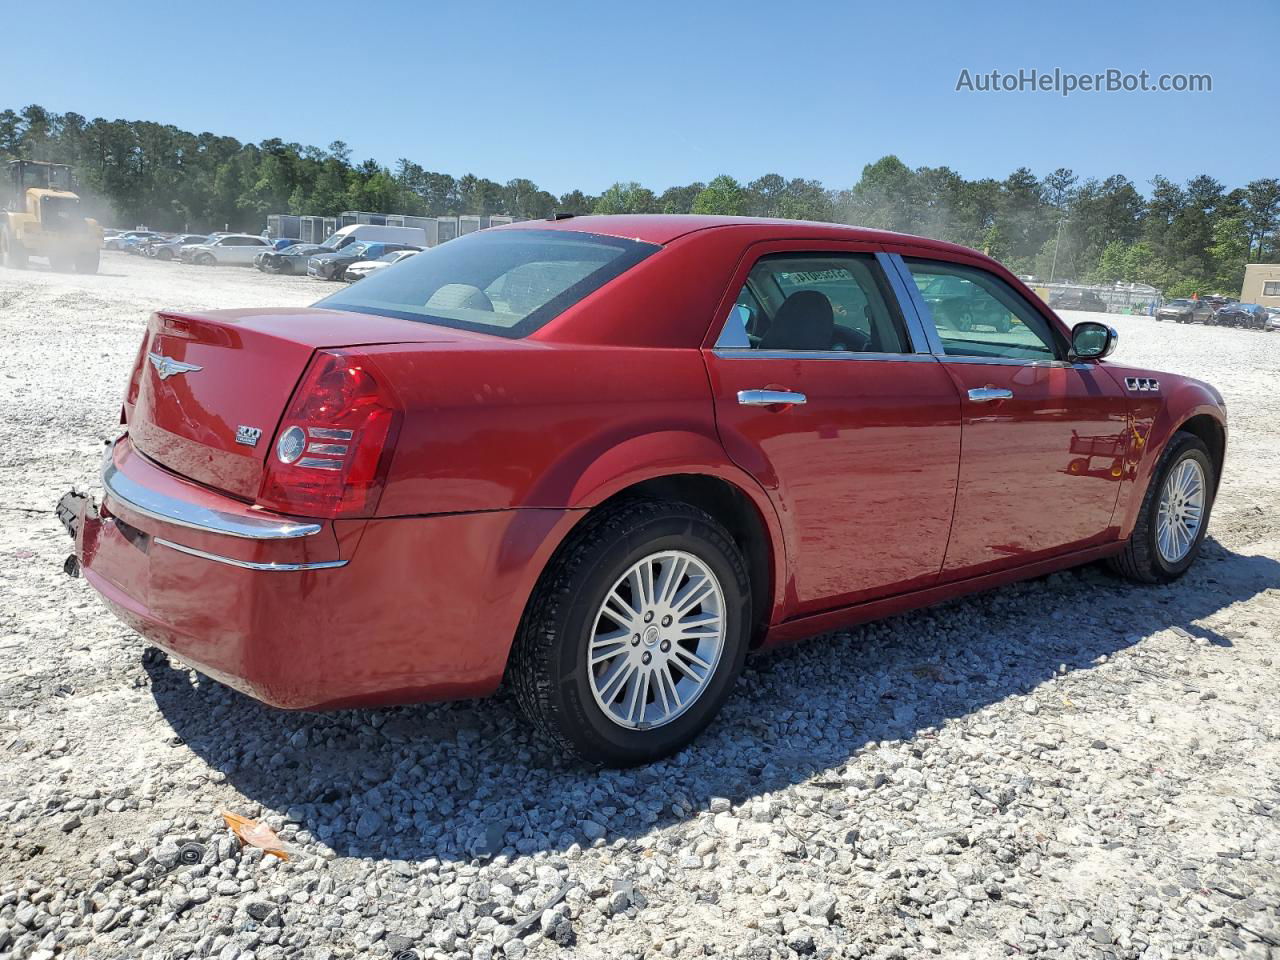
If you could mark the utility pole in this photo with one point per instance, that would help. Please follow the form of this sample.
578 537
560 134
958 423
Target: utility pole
1056 244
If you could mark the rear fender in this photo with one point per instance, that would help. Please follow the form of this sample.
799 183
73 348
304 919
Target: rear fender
669 453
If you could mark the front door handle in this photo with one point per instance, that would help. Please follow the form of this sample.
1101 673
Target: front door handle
987 394
769 398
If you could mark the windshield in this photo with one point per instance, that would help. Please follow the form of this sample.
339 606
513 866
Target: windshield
507 283
60 212
338 241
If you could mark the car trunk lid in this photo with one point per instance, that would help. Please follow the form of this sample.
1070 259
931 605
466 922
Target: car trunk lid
209 388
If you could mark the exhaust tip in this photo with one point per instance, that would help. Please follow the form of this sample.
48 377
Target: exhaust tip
71 566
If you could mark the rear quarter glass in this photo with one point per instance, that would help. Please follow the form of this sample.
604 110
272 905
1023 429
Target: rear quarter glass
507 283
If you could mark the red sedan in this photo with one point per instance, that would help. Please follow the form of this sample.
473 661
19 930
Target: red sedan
604 457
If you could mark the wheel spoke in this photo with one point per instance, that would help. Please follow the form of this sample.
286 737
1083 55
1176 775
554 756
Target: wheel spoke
672 574
694 592
642 701
641 579
619 679
609 645
665 684
704 625
633 698
619 611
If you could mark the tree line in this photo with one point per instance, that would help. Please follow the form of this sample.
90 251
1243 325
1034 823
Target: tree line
1183 238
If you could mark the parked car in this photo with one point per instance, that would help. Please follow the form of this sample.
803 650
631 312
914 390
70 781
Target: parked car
362 268
1248 315
1273 318
121 240
1186 311
232 248
954 303
169 249
1217 301
289 260
1077 300
604 457
138 246
333 266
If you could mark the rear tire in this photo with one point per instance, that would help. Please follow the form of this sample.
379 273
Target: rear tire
564 665
1144 559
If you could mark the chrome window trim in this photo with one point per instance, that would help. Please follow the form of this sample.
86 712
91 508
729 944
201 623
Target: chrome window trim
182 513
1012 361
249 564
739 353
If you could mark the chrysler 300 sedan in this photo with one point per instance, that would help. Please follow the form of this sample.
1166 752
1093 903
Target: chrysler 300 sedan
605 457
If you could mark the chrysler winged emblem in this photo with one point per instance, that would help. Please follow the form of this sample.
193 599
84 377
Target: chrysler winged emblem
167 367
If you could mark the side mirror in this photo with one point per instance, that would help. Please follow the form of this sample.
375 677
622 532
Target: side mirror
1091 340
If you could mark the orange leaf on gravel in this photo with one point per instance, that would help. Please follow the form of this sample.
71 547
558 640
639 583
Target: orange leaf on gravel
255 834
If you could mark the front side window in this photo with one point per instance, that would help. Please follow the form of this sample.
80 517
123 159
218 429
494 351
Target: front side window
507 283
979 315
815 302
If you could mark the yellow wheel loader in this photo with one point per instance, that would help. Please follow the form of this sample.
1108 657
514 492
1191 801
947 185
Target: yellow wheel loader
41 218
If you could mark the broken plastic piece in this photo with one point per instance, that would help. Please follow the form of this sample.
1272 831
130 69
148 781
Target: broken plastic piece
255 834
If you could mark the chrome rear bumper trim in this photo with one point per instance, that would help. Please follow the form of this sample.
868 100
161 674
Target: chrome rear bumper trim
159 506
248 564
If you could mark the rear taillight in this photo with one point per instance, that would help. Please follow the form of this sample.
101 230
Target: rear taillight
331 453
135 378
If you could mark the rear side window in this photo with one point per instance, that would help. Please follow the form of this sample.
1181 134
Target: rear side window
507 283
815 302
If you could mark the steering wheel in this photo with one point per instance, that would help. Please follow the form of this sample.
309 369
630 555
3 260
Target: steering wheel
850 340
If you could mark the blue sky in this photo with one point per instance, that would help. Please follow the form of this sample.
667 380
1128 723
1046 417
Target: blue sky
584 94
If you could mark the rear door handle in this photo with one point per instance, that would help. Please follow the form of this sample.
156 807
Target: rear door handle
987 394
769 398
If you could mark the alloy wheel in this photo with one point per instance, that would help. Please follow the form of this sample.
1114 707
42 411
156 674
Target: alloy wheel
1181 510
656 640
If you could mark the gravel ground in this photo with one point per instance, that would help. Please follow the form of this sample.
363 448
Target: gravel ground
1071 767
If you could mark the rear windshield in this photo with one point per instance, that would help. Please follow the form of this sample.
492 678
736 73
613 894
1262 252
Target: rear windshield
504 282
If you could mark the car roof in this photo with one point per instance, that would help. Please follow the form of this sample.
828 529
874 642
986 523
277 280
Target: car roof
664 228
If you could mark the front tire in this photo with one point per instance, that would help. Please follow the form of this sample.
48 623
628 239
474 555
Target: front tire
635 634
12 252
206 260
1174 516
88 262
